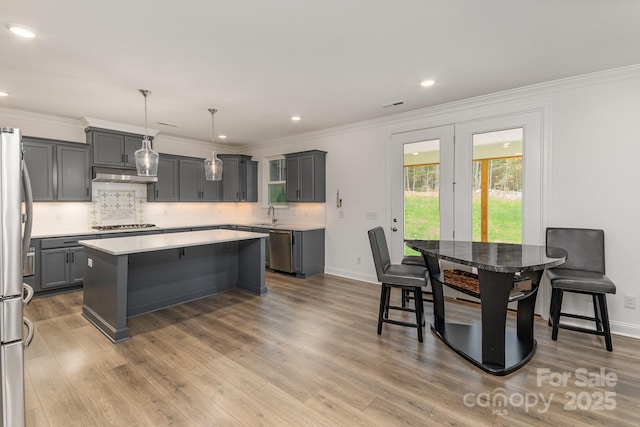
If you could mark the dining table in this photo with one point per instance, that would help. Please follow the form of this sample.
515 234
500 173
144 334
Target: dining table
506 273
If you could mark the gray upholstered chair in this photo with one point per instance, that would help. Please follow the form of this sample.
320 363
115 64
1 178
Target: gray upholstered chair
409 278
583 273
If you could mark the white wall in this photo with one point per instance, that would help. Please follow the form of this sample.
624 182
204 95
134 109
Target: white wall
592 128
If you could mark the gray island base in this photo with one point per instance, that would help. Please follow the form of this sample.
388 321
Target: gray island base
130 276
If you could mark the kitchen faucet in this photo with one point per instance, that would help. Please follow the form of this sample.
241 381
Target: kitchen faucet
272 211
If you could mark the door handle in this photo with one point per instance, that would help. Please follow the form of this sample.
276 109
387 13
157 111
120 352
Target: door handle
29 289
30 332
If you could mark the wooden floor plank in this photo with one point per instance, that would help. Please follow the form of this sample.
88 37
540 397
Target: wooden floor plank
306 353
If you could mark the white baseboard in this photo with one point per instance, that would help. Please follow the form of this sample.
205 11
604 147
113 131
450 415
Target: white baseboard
625 329
369 278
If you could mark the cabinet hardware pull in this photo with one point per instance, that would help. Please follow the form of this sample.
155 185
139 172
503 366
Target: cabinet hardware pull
156 193
66 258
73 257
126 158
122 157
87 191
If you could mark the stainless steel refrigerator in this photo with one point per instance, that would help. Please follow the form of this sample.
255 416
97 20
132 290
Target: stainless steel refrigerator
15 235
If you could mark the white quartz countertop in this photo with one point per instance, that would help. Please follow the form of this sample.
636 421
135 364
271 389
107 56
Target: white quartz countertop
158 242
83 231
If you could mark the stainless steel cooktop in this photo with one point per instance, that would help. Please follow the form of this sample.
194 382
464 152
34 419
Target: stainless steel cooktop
122 227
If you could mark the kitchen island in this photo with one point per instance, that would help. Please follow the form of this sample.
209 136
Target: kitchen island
130 276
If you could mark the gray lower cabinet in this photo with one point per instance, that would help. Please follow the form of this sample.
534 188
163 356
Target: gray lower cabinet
194 187
59 170
62 262
308 252
267 249
167 187
306 176
113 148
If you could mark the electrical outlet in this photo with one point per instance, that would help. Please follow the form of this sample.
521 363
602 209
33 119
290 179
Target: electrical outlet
358 260
630 301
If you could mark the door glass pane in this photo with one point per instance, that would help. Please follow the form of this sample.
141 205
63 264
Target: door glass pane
497 186
421 191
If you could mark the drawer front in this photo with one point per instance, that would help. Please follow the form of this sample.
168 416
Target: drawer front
65 242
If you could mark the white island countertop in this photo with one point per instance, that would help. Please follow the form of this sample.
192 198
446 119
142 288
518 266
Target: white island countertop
158 242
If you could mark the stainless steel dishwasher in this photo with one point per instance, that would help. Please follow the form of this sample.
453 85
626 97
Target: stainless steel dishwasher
281 250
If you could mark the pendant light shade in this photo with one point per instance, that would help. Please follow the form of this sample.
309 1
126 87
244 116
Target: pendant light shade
213 166
146 158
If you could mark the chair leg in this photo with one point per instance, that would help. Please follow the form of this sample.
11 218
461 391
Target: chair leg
551 310
387 301
602 299
383 299
557 307
597 313
417 299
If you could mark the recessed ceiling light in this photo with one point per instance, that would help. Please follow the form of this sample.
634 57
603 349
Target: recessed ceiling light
296 118
4 94
22 31
415 154
222 136
427 83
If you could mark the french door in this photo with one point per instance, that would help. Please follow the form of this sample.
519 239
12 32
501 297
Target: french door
429 215
472 180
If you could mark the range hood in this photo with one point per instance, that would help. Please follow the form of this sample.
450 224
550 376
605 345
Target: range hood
102 174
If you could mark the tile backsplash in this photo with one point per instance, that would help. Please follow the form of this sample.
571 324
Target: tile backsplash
118 203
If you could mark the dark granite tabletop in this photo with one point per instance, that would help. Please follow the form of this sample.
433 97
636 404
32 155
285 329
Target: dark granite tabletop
500 257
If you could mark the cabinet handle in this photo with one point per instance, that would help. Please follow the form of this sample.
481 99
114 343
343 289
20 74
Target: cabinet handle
126 158
87 191
122 156
156 193
73 257
66 258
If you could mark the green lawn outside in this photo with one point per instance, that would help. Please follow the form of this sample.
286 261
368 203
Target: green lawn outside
422 219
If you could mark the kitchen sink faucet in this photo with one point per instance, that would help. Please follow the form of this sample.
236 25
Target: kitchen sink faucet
272 211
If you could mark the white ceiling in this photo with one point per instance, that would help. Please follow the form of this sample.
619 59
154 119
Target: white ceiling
259 62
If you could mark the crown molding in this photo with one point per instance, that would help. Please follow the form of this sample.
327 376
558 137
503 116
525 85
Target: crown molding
40 117
196 144
512 95
105 124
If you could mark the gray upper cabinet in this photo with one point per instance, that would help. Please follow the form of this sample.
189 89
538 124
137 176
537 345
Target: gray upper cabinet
166 189
306 176
112 148
59 171
38 155
239 178
73 173
193 185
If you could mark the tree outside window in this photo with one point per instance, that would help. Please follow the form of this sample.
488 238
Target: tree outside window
276 183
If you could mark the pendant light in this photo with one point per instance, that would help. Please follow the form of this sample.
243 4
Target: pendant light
146 158
213 166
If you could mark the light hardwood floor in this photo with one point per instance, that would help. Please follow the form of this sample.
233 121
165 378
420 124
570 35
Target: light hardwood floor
305 354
